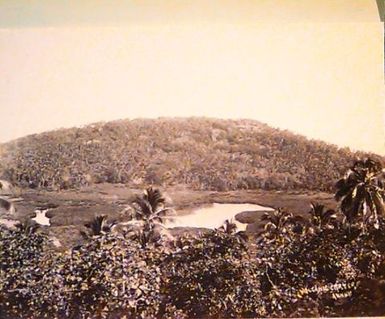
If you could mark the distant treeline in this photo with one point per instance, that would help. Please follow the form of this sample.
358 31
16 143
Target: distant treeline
203 154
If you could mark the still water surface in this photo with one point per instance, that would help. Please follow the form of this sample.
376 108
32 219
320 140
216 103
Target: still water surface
40 218
213 216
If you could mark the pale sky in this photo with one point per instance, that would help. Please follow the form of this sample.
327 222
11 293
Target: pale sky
313 67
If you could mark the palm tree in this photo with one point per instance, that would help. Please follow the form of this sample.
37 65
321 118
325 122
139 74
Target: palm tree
320 217
150 207
277 220
149 215
230 228
147 233
275 223
98 226
361 192
27 227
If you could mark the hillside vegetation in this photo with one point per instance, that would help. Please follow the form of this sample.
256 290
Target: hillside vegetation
328 263
200 153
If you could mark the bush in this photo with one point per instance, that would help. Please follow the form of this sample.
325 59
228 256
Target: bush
213 276
299 267
109 277
21 252
323 273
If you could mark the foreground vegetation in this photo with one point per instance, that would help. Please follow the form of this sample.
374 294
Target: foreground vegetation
203 154
329 264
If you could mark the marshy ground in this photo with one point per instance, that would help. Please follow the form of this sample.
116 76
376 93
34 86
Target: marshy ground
70 209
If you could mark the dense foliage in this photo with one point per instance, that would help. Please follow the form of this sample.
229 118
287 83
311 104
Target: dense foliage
322 271
361 192
205 154
323 265
213 276
21 252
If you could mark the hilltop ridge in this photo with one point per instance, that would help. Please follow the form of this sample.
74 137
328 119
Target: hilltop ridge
200 153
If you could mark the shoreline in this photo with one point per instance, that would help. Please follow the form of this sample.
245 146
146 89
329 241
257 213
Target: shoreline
69 210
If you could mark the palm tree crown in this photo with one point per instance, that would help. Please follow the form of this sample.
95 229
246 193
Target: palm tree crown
361 192
27 227
228 227
275 224
150 214
98 226
150 207
321 217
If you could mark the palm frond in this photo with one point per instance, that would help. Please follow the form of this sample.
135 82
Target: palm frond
228 227
154 197
98 226
27 227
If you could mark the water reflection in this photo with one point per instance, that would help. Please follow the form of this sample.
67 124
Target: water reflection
214 215
40 218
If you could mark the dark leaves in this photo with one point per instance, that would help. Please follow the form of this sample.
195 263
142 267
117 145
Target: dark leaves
98 226
361 192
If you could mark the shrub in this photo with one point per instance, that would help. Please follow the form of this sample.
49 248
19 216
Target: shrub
109 277
21 252
212 276
323 271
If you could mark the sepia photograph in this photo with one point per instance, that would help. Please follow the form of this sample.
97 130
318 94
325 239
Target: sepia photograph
192 159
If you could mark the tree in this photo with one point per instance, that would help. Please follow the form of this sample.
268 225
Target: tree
98 226
361 192
150 206
279 225
150 214
230 228
321 218
27 227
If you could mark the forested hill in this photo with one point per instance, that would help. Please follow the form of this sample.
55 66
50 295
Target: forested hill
208 154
